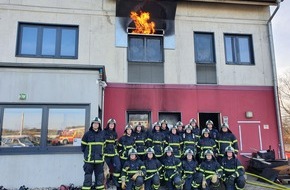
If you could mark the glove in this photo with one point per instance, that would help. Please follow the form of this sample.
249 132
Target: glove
203 184
134 177
123 185
214 178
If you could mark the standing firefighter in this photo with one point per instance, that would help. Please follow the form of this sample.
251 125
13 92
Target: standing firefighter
192 178
133 172
174 141
157 140
140 136
233 171
195 128
205 143
172 170
126 142
111 155
92 146
153 170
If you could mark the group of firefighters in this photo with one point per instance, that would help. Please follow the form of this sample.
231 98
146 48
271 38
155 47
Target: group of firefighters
182 157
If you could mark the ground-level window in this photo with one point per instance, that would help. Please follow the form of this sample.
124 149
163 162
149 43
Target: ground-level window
48 41
42 128
239 49
171 117
139 117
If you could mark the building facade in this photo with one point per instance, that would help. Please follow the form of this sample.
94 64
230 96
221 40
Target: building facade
64 62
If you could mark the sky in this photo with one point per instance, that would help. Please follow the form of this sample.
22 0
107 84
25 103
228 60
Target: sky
281 36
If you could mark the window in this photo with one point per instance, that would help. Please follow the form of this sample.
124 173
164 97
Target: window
171 117
145 59
239 49
204 47
42 128
48 41
139 117
205 58
145 48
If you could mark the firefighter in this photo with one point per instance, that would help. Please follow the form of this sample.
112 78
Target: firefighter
189 139
174 141
92 145
172 170
205 143
192 177
226 138
133 172
153 170
195 128
211 170
141 137
125 143
180 128
111 154
156 140
214 133
164 127
233 171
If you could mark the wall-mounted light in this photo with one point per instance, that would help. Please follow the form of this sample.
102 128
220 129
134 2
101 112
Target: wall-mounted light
22 96
249 114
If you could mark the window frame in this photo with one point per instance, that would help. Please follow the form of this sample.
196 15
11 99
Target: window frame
236 51
140 112
39 43
145 38
43 148
196 48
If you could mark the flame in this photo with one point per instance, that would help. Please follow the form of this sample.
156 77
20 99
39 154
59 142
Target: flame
142 24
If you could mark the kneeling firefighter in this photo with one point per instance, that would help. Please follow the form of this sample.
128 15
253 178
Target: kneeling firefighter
153 170
133 172
172 170
212 171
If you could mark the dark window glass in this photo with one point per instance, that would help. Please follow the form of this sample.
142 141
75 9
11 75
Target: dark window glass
204 48
145 48
139 117
49 41
239 49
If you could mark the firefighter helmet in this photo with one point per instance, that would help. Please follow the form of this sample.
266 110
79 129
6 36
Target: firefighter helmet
188 151
128 127
174 127
188 127
205 130
111 121
229 149
156 124
192 120
150 150
163 121
225 125
168 149
96 120
179 123
208 151
132 151
209 122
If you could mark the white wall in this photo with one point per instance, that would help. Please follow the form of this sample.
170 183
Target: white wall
36 171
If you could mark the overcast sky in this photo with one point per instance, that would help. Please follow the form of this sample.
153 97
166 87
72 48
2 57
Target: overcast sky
281 36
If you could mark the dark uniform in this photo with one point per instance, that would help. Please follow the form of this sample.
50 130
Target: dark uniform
195 128
211 170
233 171
111 154
164 127
156 140
189 139
174 141
172 170
205 143
226 138
214 133
153 171
92 146
192 177
133 172
125 143
180 128
140 140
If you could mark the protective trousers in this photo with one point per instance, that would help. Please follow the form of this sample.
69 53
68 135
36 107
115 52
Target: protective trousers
115 163
97 169
152 183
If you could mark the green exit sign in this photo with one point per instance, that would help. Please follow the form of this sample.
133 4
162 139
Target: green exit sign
22 96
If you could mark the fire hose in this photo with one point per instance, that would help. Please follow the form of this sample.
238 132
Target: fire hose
272 186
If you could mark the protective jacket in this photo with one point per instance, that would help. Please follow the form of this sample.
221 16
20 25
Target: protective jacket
226 139
153 166
140 141
189 141
92 145
206 143
132 167
125 143
175 142
210 167
172 166
232 167
111 142
157 141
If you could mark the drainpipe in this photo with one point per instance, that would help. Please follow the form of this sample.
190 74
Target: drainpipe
277 104
103 85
